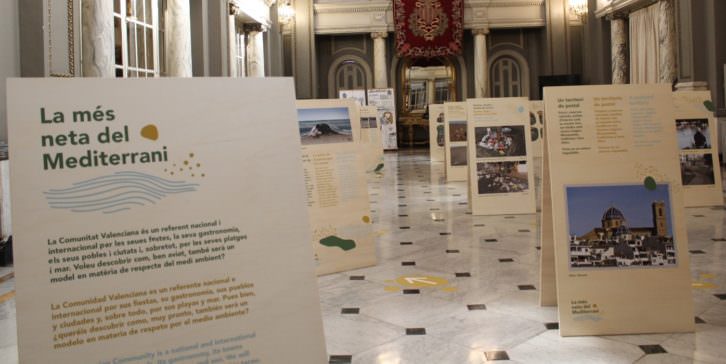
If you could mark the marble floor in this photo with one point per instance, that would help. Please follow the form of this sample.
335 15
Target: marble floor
472 289
485 308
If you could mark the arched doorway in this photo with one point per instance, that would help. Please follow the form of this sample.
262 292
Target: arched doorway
348 72
422 82
509 75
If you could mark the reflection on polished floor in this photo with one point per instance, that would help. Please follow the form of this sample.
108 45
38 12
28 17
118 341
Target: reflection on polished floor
473 291
455 288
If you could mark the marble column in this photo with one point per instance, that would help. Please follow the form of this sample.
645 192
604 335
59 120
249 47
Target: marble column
178 39
380 78
666 42
619 50
97 35
255 50
481 64
232 44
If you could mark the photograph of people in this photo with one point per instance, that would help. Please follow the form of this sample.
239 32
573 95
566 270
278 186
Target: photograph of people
500 141
502 177
693 134
457 131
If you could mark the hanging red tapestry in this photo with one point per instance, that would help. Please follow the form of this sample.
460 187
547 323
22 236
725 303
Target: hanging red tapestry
428 28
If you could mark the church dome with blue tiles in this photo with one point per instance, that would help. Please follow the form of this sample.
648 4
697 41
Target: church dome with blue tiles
613 214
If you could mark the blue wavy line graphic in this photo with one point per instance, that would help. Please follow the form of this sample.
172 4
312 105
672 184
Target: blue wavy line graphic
116 192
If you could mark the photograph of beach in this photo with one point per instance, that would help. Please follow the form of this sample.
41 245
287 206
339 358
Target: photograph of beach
324 125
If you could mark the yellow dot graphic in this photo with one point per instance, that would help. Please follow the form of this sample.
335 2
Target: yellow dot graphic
150 132
199 165
203 175
186 163
366 219
191 155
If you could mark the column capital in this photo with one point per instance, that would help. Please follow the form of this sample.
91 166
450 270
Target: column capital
480 31
233 9
253 28
618 15
379 35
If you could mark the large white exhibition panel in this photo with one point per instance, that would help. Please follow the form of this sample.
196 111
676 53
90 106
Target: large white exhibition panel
619 234
501 177
159 221
385 100
335 162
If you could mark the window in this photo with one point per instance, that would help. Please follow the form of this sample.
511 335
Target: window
350 76
137 34
441 90
417 95
506 78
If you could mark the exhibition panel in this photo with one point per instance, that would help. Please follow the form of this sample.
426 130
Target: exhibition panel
385 101
436 133
619 233
362 181
152 226
697 132
370 134
501 177
335 162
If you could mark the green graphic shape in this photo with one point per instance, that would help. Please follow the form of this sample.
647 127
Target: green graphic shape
334 241
649 183
709 105
379 167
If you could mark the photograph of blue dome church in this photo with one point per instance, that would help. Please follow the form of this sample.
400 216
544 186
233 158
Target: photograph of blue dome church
617 226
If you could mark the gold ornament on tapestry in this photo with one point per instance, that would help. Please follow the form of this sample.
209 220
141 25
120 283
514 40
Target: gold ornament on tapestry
428 20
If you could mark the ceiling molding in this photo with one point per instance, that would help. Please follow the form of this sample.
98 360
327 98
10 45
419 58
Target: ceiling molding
346 8
506 3
622 7
377 16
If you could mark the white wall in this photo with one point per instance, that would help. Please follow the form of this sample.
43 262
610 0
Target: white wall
9 55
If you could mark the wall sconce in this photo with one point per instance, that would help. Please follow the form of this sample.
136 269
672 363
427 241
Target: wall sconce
579 9
285 13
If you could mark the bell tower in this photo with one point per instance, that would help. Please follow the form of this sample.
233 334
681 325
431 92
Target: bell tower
660 223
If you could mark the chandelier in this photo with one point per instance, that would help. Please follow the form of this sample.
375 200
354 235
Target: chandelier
579 9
